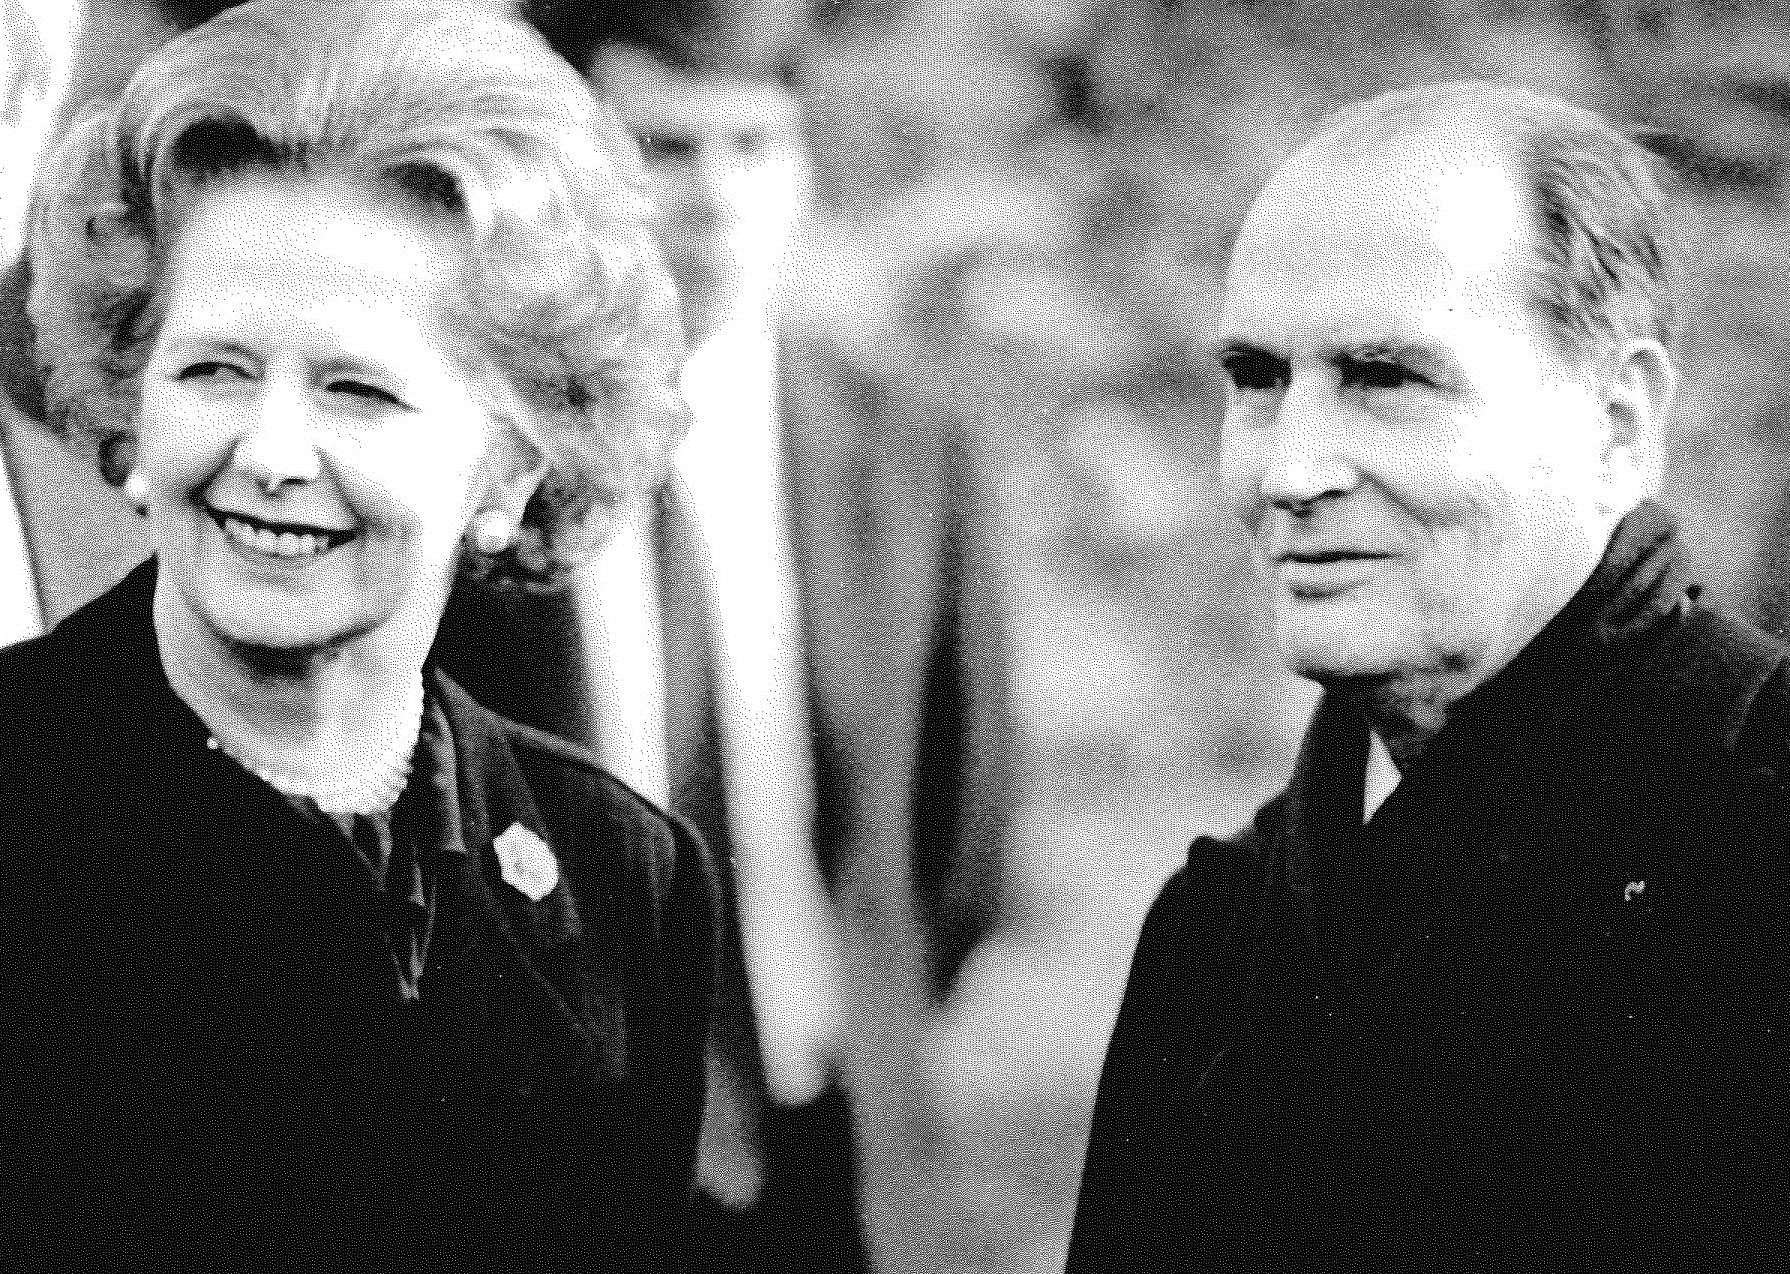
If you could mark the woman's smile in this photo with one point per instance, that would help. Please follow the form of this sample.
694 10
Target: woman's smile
294 542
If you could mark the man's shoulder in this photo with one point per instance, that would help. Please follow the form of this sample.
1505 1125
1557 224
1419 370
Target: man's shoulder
1721 688
1205 906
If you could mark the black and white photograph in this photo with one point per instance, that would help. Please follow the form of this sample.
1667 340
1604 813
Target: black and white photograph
894 636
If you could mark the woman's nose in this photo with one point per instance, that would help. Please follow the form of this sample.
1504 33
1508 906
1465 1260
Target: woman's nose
278 448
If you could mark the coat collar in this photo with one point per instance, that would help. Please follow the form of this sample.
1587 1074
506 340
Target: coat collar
1637 592
1473 800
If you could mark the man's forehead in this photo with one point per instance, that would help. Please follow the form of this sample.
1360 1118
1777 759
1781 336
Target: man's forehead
649 95
1352 230
1454 189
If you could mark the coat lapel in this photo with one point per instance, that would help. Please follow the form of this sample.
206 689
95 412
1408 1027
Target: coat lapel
511 961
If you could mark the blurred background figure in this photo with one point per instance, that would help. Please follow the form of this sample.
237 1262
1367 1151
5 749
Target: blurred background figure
794 648
64 537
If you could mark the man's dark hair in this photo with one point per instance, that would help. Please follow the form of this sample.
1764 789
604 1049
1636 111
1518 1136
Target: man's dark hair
748 38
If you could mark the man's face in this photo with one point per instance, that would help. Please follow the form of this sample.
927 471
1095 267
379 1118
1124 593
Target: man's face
729 173
1420 471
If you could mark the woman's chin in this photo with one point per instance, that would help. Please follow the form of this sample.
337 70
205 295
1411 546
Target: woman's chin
290 635
251 620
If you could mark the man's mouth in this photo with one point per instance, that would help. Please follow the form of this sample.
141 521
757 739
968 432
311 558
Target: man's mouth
278 539
1328 556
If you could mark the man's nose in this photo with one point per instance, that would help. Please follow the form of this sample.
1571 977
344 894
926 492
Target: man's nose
1309 459
278 448
708 196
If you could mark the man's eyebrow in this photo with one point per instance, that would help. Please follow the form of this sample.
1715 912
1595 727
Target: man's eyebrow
1417 354
1383 351
1236 347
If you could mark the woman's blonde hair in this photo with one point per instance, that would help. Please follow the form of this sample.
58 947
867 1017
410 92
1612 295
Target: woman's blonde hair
566 298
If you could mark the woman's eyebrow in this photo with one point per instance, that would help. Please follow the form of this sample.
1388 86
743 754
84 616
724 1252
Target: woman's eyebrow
188 339
351 363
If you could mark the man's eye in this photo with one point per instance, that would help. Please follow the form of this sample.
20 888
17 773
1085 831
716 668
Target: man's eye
1253 373
362 390
665 147
1378 373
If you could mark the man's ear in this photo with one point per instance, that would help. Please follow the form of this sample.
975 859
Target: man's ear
1637 402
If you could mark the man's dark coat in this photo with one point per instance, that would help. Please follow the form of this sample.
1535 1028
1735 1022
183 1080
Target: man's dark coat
1531 1016
205 1065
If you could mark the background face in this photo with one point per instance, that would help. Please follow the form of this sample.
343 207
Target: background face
728 170
1418 471
313 452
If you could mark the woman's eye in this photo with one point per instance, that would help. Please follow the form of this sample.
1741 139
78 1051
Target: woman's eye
362 390
210 369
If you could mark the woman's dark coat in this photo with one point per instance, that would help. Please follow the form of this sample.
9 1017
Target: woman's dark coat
1531 1016
206 1066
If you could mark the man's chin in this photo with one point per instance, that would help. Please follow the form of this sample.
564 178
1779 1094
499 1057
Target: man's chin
1336 658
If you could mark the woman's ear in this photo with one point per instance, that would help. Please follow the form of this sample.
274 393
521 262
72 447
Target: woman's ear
517 465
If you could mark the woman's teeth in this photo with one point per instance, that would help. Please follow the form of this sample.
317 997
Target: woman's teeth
275 543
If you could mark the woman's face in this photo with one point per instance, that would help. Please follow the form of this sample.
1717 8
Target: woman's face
312 450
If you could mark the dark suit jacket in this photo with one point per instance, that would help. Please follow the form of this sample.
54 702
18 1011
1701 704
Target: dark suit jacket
909 693
205 1064
1533 1015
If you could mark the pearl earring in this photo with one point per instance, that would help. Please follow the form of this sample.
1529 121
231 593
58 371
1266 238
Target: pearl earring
136 490
493 531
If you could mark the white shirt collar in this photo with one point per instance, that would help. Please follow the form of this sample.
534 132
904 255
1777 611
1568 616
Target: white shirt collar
1382 777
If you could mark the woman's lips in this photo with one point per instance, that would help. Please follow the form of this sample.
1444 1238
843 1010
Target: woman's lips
291 541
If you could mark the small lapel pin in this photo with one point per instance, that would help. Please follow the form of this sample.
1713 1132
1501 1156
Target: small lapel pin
528 865
1633 890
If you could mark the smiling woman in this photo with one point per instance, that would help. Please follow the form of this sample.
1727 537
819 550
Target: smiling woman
334 968
309 451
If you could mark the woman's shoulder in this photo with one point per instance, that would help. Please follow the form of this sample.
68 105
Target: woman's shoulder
82 670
